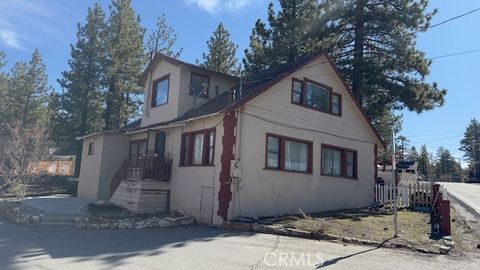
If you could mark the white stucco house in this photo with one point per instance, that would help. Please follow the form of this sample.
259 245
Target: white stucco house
219 147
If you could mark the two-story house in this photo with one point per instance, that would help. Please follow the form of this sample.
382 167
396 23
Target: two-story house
218 147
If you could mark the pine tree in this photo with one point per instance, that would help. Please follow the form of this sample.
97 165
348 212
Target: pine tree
372 43
424 162
3 87
286 39
125 62
26 93
222 51
162 40
470 145
80 106
445 166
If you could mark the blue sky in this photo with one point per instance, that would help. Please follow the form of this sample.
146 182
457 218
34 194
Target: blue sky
50 26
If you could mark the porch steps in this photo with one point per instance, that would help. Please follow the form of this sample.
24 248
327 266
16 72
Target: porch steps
58 219
142 196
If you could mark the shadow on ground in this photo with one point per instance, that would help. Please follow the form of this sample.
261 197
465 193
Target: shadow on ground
112 247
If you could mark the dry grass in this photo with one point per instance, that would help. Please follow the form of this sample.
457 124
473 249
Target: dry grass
414 227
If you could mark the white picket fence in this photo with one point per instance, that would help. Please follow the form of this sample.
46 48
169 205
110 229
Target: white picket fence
408 195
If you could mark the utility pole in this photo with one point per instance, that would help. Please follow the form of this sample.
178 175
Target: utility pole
394 174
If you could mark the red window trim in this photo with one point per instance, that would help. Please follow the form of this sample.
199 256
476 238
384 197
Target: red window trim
281 158
343 169
190 135
153 102
207 94
326 87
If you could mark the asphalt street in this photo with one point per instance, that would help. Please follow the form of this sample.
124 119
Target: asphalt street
194 247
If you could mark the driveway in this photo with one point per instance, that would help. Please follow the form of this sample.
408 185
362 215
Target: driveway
467 194
194 248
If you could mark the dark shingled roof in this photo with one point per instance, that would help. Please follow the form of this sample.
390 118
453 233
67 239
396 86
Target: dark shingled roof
252 85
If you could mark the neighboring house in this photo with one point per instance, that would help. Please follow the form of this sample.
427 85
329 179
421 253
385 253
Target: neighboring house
219 147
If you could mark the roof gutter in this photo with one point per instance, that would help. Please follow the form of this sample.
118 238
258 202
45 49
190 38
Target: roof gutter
95 134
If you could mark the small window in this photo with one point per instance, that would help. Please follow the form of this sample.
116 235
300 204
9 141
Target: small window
351 164
91 148
273 152
336 104
160 91
288 154
198 148
138 148
210 147
199 85
338 161
297 94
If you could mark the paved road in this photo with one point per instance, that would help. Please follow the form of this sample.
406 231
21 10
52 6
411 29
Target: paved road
193 248
469 194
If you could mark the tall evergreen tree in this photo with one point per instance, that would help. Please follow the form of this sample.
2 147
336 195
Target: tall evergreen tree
162 40
371 41
3 86
286 39
26 93
445 166
222 51
125 62
425 166
81 103
470 145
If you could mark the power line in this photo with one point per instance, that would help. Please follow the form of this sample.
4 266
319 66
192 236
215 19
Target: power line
453 54
439 139
448 20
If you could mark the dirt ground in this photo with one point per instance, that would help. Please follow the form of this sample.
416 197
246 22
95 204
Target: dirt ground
414 227
465 233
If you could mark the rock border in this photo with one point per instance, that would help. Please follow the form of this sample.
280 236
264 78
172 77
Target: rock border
90 222
278 230
16 212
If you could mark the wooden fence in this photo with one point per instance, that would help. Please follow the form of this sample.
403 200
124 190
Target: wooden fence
55 167
408 195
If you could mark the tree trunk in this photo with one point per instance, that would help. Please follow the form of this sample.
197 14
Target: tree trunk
358 61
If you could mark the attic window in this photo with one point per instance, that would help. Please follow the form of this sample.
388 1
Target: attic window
91 148
160 91
199 85
317 96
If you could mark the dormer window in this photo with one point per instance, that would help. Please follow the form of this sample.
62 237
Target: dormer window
160 91
199 85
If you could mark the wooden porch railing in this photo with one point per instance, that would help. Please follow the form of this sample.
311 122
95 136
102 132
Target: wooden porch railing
151 167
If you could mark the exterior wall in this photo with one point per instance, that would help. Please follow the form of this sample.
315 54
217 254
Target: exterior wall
89 178
115 150
268 192
187 182
98 169
179 99
186 100
167 111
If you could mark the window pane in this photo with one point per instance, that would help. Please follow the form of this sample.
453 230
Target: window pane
273 144
133 149
210 147
331 162
186 147
297 92
272 160
142 148
350 164
317 97
162 92
335 104
91 148
273 152
197 149
198 85
296 156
